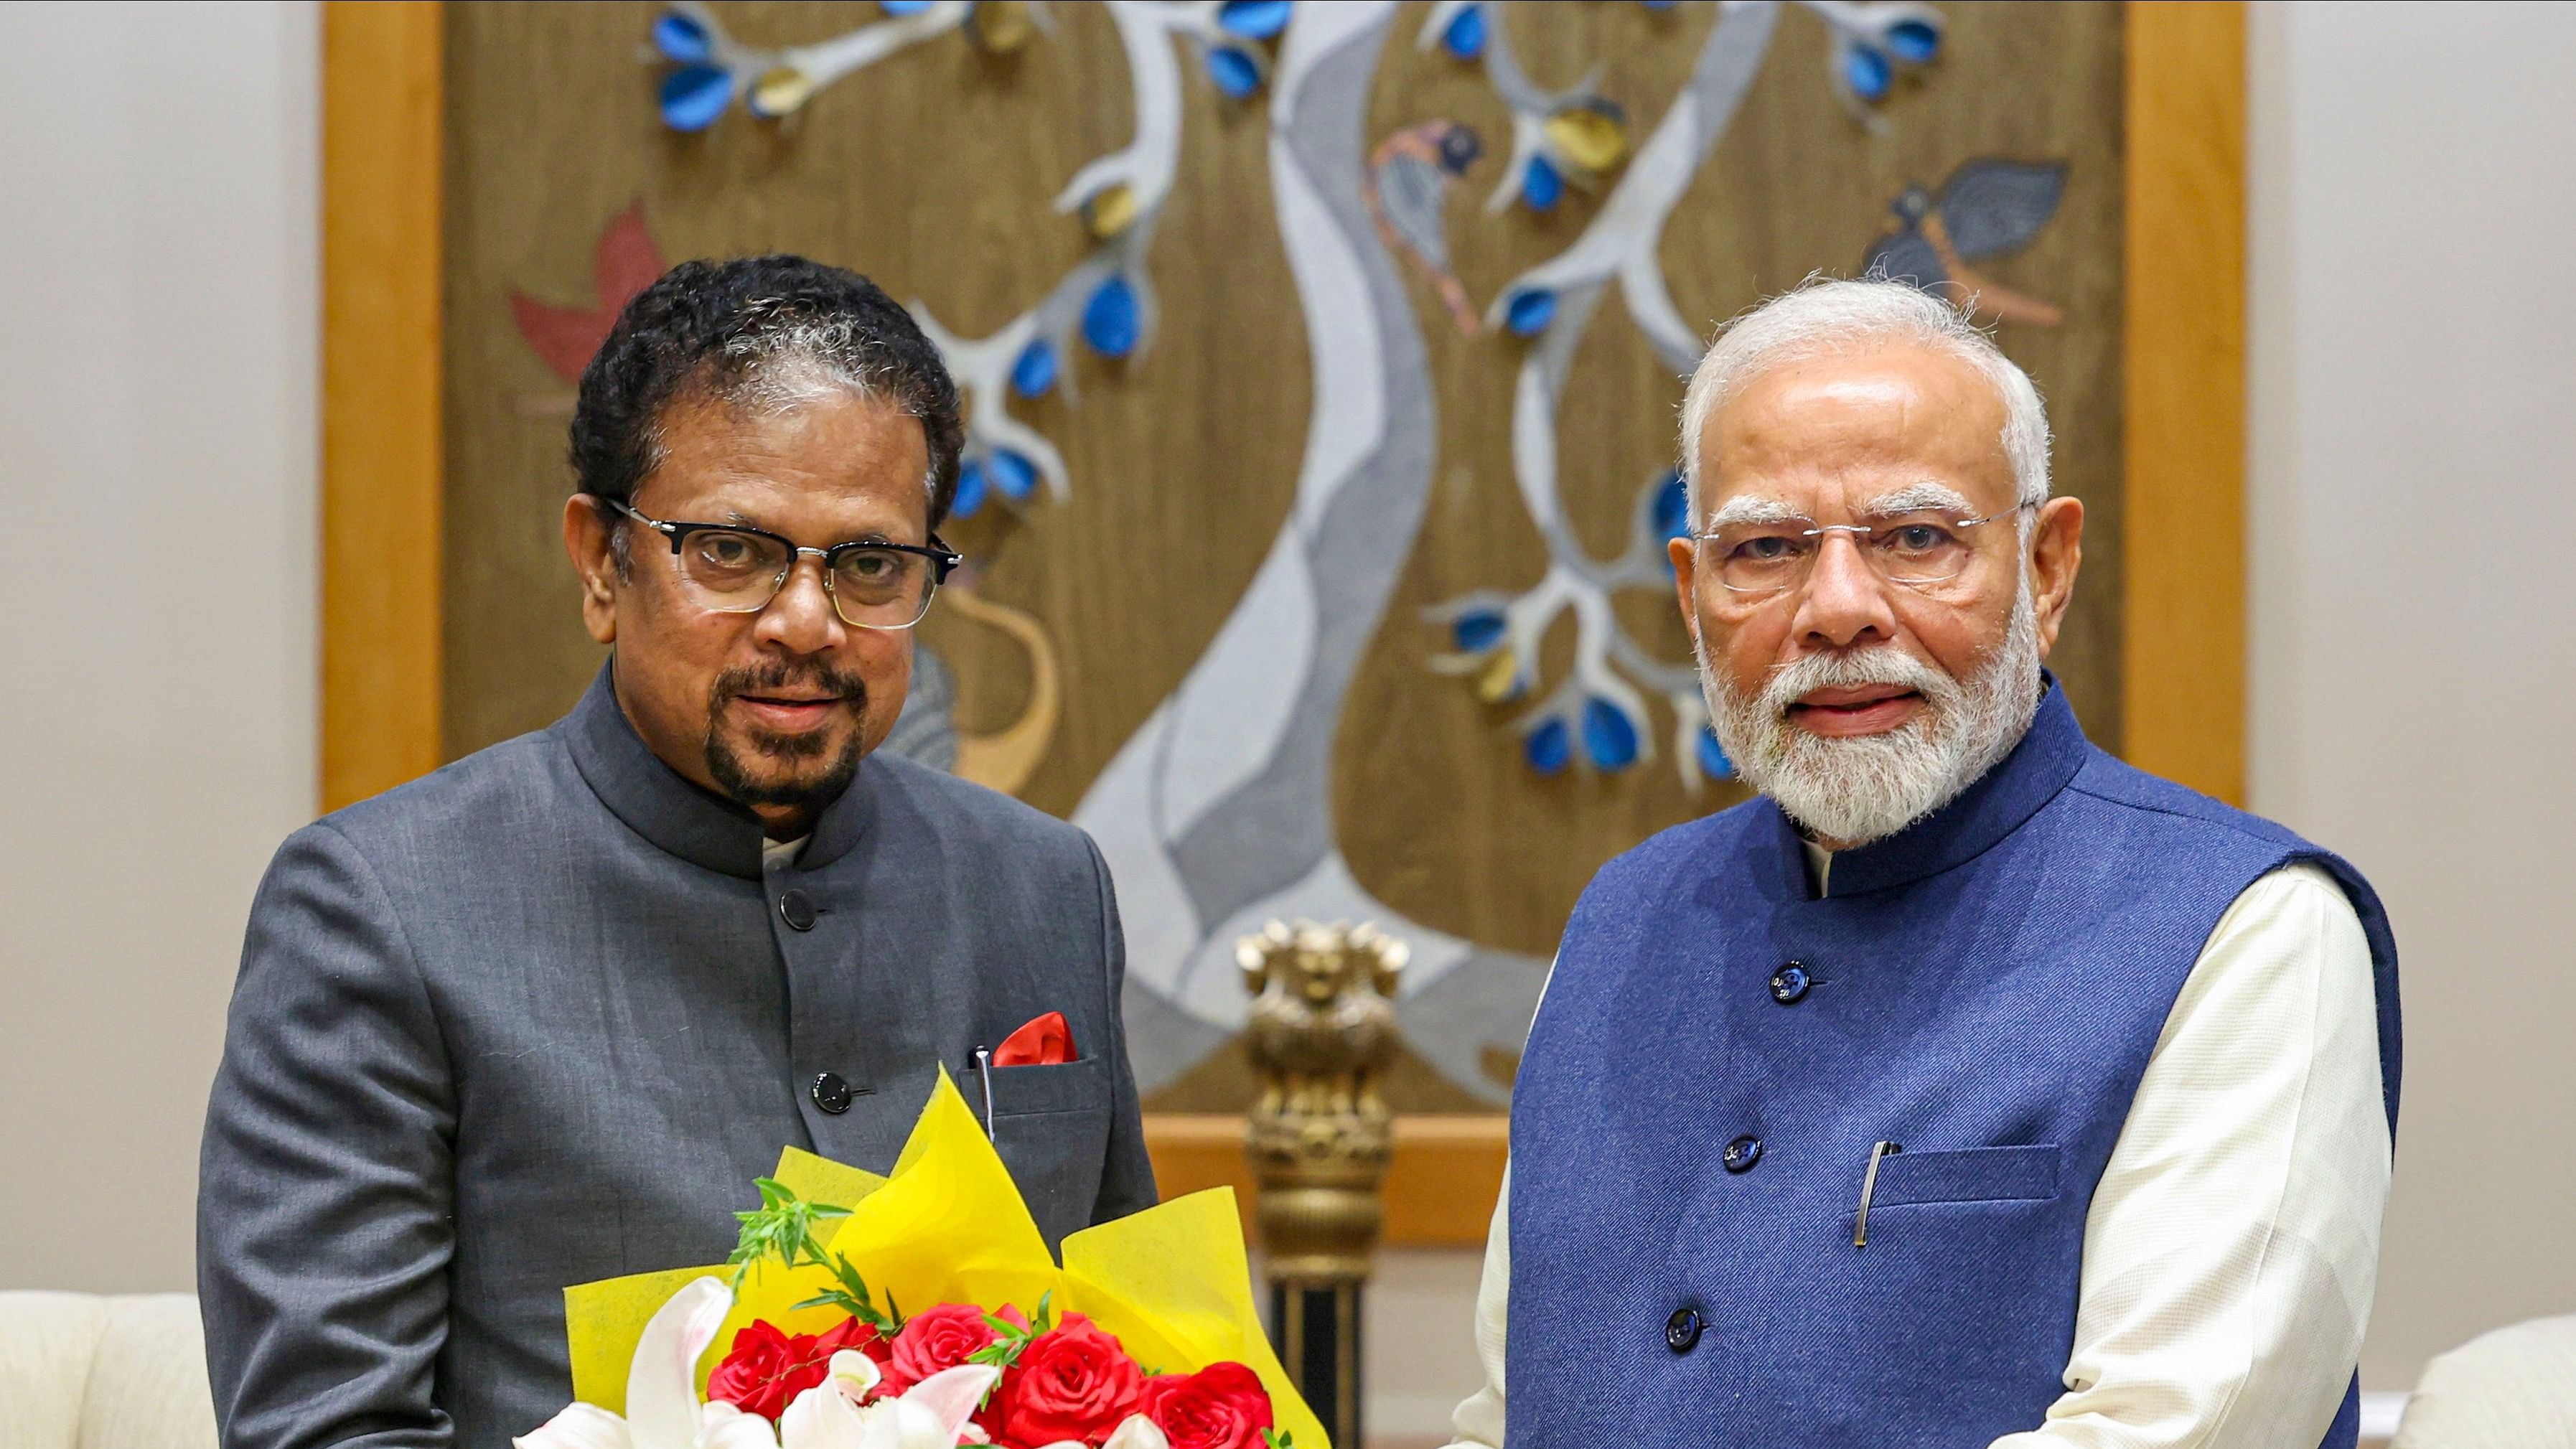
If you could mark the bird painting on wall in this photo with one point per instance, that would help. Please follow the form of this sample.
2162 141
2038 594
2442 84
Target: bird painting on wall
1987 208
625 263
1409 177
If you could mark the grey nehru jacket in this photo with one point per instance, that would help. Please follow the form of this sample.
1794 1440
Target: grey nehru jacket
541 1017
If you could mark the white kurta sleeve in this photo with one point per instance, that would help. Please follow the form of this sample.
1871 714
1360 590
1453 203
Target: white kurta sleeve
2232 1246
1478 1423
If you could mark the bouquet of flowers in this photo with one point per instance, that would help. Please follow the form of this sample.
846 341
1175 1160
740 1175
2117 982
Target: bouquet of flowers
1143 1337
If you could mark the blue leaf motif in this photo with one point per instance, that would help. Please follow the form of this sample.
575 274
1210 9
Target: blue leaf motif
694 96
1234 70
1867 71
1548 747
903 7
1013 474
1113 320
1672 505
1529 312
1034 373
970 490
681 38
1541 186
1915 42
1477 632
1712 756
1254 19
1608 736
1465 36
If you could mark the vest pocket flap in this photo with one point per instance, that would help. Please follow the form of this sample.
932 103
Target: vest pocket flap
1977 1174
1078 1086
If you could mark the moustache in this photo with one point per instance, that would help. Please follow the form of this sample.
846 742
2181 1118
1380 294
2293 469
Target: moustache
1874 664
734 683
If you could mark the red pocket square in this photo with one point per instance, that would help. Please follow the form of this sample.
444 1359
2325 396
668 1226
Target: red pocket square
1045 1042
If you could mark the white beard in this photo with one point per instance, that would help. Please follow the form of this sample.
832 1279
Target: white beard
1867 787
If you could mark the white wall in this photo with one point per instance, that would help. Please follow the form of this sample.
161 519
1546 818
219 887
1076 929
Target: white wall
157 388
2414 593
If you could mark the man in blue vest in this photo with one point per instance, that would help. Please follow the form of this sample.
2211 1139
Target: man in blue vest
1968 1088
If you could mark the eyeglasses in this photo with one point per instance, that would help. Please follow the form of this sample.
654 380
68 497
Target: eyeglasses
1773 555
730 569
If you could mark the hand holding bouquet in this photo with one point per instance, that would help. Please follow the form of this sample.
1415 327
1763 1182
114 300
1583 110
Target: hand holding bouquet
1145 1337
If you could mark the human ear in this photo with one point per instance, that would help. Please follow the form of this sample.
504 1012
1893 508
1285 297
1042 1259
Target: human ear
2056 552
1684 552
594 562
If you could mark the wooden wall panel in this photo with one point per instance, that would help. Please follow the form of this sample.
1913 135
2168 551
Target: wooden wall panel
2184 666
1795 186
1184 458
2175 704
382 465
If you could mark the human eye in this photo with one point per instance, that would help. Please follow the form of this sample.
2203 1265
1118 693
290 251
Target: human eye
1915 537
727 552
875 570
1766 545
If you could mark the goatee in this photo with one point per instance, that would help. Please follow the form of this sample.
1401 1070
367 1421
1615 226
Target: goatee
797 772
1867 787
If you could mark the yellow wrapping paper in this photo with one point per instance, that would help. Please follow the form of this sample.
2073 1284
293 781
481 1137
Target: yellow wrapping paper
949 1227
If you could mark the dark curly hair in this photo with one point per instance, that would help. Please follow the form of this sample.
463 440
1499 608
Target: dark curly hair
762 331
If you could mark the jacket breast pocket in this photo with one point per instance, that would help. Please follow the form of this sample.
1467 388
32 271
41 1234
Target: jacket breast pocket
1975 1174
1051 1125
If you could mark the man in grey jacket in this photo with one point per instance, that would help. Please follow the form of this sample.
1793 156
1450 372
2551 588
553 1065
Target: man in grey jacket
540 1018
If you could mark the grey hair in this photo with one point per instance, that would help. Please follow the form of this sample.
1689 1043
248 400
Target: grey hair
800 361
1823 318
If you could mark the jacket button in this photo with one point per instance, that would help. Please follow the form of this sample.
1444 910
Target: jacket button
1789 984
797 909
1682 1330
1742 1153
831 1093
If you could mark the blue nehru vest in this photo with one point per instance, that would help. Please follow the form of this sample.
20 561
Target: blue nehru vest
1718 1053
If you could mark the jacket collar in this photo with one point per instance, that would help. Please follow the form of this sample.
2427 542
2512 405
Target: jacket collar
2041 765
677 815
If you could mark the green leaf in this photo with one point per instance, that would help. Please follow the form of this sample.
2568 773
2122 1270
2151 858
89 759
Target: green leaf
1006 1328
782 1227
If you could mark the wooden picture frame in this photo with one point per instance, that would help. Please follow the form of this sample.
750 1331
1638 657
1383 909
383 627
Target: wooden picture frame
2183 645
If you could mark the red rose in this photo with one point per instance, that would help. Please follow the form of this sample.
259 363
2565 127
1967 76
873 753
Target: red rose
1222 1406
766 1368
1071 1382
939 1338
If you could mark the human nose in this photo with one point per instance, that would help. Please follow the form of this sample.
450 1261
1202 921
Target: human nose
801 619
1845 601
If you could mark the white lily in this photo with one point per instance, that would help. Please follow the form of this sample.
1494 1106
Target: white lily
1135 1432
929 1415
662 1408
663 1412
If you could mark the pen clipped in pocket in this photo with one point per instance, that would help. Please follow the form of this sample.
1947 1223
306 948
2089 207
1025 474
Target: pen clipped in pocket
1896 1177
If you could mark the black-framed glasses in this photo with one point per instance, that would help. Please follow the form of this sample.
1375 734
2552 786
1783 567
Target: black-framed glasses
730 569
1768 556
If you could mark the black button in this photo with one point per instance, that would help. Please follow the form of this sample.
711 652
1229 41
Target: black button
797 909
1682 1330
1742 1153
831 1093
1789 984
